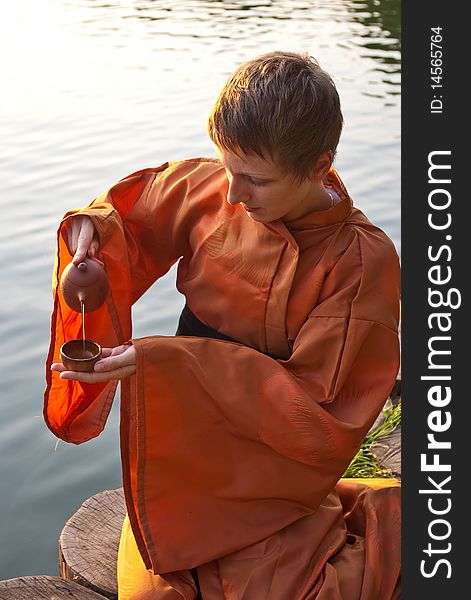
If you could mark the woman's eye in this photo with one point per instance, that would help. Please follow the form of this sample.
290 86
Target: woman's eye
257 183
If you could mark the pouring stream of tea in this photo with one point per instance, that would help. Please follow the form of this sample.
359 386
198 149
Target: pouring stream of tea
82 303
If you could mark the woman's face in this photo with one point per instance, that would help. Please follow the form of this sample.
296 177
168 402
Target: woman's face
268 194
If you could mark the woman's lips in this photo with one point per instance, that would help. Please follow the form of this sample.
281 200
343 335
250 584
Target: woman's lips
250 209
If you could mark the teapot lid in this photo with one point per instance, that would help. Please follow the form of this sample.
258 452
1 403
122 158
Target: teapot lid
85 273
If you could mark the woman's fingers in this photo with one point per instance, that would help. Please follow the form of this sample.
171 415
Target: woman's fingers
105 352
73 228
93 248
94 377
84 239
122 356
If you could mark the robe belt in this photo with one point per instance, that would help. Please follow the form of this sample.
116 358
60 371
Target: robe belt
190 325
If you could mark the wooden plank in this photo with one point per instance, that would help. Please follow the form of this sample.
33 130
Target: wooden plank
387 451
88 544
43 587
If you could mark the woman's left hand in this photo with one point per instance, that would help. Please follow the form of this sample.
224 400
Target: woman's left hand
115 363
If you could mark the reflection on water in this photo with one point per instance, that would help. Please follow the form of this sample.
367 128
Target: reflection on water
381 34
93 91
184 22
385 14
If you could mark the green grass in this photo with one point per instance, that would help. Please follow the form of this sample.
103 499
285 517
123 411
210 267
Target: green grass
364 464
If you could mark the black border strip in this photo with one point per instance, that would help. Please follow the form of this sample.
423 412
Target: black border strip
434 255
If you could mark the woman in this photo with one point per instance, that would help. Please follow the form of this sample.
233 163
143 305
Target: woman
235 432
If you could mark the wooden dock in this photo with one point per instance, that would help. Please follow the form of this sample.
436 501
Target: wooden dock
387 450
88 544
44 587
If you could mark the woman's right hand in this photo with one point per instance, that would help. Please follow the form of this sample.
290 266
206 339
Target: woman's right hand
82 238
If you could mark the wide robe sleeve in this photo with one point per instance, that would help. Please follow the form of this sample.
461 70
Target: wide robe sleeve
137 249
222 445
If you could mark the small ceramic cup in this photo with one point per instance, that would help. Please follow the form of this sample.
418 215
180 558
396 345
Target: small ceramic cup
80 355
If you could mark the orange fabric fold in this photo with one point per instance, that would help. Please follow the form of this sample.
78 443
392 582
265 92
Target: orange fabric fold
349 549
223 446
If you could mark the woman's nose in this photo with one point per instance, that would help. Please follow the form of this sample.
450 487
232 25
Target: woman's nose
236 192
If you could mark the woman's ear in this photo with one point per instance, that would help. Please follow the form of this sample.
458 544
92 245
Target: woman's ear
322 166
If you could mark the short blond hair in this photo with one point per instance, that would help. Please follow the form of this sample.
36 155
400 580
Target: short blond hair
280 106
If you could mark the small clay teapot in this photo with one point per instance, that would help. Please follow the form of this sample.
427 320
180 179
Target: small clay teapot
86 282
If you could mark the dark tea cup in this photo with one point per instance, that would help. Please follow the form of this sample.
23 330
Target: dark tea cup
80 355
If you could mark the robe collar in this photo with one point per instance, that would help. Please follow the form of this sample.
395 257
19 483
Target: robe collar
331 216
320 218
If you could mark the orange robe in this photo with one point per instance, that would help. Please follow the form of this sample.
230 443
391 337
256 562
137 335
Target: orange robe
228 454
